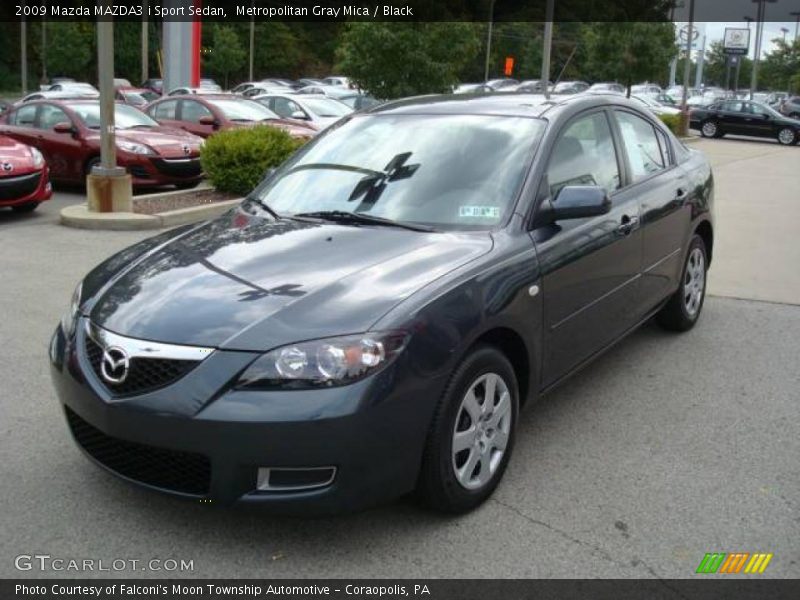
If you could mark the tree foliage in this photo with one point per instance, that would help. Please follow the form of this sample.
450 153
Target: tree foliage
628 52
228 55
392 60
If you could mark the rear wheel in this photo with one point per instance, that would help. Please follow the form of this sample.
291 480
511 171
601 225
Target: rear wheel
710 129
472 433
787 136
25 208
682 310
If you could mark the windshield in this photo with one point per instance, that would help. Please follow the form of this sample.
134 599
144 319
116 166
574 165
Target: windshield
125 117
768 110
449 172
327 108
243 110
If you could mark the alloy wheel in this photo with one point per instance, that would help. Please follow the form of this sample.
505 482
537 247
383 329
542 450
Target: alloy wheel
481 432
786 136
709 129
694 282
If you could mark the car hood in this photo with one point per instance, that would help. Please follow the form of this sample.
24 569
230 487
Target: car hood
247 283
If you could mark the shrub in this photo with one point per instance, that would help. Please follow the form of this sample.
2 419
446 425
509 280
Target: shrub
237 159
673 122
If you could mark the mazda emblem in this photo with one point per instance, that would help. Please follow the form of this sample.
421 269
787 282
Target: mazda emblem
186 149
115 364
6 166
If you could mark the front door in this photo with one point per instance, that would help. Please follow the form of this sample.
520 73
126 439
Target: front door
591 266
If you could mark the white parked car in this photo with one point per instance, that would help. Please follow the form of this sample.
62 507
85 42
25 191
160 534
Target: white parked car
331 91
338 81
318 110
61 95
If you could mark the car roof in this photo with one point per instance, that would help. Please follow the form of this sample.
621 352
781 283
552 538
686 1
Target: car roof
512 104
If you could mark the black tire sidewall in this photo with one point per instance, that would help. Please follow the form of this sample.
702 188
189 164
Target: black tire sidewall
451 495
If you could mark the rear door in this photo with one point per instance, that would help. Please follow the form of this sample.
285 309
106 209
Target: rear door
591 266
63 151
733 118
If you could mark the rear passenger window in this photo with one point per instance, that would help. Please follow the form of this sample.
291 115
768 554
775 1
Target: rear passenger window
24 116
641 146
165 110
584 155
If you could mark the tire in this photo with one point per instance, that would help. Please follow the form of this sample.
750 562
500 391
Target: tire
681 311
787 136
25 208
91 163
447 482
710 129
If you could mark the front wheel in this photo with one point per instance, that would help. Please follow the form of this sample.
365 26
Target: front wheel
787 136
710 129
25 208
472 434
682 310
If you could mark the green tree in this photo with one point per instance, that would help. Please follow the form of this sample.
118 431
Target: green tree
628 52
70 50
392 60
780 66
227 55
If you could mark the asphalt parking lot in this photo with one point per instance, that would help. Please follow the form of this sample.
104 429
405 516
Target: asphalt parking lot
668 447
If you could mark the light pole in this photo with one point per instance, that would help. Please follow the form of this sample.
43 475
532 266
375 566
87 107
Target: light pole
489 42
145 40
796 14
548 43
784 31
762 9
23 54
687 72
108 187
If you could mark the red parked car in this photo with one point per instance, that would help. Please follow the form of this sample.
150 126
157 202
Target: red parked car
68 134
24 181
204 115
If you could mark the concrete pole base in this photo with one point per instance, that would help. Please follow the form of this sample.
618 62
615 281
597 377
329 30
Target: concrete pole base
109 193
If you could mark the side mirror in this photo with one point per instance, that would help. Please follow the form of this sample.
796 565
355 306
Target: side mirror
299 114
64 128
208 120
574 202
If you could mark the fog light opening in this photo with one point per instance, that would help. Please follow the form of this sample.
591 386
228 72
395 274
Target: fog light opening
271 479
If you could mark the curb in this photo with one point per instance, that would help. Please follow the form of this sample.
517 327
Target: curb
79 216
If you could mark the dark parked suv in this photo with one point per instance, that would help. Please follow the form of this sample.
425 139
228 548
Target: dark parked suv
371 319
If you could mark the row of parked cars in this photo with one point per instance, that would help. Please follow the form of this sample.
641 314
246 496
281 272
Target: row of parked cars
54 133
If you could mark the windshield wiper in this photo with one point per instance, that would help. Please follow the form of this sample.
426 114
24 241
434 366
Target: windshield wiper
344 216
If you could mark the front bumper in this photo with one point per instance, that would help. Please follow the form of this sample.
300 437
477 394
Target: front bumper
22 189
372 432
158 170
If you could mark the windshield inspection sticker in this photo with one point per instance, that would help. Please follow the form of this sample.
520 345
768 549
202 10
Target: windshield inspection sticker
479 212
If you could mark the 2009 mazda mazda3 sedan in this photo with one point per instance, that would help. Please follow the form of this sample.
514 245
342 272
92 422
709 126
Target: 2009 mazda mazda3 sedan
371 318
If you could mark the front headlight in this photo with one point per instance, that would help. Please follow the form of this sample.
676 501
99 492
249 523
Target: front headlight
38 159
323 363
70 318
134 147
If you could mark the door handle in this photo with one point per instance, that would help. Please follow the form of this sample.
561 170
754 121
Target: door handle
627 225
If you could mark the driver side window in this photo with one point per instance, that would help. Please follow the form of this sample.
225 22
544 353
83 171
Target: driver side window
584 155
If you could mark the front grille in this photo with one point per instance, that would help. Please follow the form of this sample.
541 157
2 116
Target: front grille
189 167
12 188
144 374
173 470
139 172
